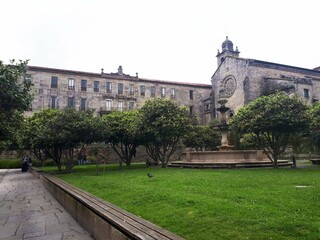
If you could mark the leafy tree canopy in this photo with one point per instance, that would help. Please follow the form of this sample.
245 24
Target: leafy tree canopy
202 138
272 120
315 125
121 130
163 123
315 116
14 87
55 132
15 97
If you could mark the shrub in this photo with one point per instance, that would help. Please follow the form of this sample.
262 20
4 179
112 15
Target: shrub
10 163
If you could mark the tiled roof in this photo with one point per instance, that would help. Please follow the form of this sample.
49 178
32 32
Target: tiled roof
254 62
317 68
113 76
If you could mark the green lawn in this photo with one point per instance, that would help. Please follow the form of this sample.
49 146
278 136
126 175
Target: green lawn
213 204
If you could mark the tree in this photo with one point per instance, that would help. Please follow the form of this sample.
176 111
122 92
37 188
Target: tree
57 132
202 138
38 136
163 124
121 131
314 112
15 97
101 153
315 116
28 138
271 120
76 129
9 124
14 87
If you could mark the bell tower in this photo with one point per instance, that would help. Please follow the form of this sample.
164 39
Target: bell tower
227 50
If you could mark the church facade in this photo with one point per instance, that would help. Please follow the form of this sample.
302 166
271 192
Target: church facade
241 80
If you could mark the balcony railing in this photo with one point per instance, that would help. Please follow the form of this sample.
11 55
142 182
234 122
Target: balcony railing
113 109
125 95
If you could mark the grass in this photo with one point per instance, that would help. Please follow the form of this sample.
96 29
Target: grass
213 204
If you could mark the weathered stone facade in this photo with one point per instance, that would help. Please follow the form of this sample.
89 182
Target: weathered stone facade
57 88
243 80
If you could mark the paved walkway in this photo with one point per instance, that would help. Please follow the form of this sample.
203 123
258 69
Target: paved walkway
28 211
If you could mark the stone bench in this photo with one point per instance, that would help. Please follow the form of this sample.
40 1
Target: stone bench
315 161
100 218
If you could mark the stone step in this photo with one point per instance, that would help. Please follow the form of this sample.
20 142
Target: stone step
257 164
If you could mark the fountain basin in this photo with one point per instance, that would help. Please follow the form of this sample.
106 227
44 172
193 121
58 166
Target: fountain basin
231 156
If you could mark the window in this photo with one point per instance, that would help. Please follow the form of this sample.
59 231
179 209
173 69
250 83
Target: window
120 106
153 91
54 82
191 94
83 104
53 103
70 102
96 86
131 89
173 92
108 105
109 87
71 84
306 93
120 88
163 92
191 110
131 105
142 90
84 85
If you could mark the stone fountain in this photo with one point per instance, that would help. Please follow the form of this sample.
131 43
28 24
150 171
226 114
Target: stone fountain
226 157
223 126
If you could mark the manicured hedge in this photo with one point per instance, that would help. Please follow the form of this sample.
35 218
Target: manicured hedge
10 163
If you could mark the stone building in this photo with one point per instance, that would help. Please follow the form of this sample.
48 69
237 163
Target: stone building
107 92
241 80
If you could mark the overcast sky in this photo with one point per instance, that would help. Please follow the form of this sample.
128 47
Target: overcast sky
174 40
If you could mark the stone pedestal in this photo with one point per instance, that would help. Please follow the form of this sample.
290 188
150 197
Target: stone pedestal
224 138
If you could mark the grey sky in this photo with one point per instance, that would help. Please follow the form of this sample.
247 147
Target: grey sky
167 40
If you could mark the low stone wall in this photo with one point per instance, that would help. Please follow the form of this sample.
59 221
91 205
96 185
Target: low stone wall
100 218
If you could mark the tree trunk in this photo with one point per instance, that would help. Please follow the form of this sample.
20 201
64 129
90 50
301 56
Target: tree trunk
275 163
55 154
69 159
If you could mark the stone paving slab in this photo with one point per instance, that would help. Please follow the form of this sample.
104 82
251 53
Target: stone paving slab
28 211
